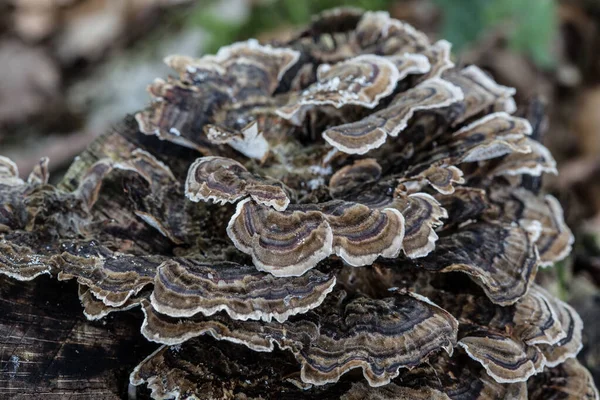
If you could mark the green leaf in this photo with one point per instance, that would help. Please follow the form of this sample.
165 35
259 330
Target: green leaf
531 24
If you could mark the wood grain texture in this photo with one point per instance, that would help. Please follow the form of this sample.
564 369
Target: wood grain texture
48 350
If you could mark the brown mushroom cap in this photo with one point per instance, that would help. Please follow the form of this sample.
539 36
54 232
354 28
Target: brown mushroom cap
238 71
287 243
225 180
568 381
501 258
371 132
481 93
9 172
111 278
186 288
535 162
362 80
542 216
291 242
504 359
572 325
378 336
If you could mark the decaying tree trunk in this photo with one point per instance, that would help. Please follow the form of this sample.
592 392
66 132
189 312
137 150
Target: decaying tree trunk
49 350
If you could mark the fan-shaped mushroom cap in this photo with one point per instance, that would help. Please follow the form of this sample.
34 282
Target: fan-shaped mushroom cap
224 180
512 342
535 163
378 336
353 176
532 320
9 172
19 258
376 32
186 288
236 72
442 178
464 204
487 138
285 243
13 191
458 378
504 134
542 216
567 381
501 258
20 255
504 359
290 243
507 341
362 80
111 278
251 57
481 93
572 325
95 309
371 132
422 214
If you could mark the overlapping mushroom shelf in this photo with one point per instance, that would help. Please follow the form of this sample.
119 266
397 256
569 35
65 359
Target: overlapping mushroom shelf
344 215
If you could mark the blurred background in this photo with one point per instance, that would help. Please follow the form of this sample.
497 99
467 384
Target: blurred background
70 69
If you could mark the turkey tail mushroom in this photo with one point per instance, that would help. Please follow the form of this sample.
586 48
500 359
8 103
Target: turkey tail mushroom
344 214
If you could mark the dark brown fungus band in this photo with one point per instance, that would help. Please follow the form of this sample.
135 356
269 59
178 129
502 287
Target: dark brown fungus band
443 178
354 175
505 359
13 190
464 204
509 341
20 260
533 319
569 346
113 279
95 309
377 33
285 243
422 215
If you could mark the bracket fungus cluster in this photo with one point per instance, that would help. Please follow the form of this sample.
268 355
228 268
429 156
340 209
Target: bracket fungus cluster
346 214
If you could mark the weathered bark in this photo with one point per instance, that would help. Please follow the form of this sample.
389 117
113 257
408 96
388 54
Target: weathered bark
49 350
